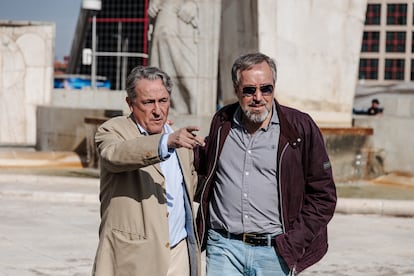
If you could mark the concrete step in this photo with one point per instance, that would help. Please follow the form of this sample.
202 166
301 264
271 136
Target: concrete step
396 178
50 188
18 158
86 190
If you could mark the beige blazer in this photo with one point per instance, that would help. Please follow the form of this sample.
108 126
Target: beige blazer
134 235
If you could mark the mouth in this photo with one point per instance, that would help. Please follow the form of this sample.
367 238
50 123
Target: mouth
157 121
256 106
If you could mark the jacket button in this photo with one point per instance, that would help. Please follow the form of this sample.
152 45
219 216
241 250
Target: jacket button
148 154
299 140
167 245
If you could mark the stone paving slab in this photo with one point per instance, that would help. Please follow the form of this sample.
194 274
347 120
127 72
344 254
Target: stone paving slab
47 238
86 190
60 238
50 227
50 188
361 245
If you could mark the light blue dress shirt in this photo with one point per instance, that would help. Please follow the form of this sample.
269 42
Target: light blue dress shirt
171 169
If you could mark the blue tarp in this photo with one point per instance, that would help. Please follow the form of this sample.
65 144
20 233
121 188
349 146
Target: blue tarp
78 83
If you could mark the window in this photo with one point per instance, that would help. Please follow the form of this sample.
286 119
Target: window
396 14
387 50
368 69
394 69
370 42
412 69
395 42
373 14
412 42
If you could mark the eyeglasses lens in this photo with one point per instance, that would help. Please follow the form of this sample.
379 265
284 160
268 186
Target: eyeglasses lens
250 90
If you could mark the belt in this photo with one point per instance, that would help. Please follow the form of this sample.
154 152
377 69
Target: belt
250 238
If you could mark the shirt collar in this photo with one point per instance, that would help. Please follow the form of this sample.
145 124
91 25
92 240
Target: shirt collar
143 131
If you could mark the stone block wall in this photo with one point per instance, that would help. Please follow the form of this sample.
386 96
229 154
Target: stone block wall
26 78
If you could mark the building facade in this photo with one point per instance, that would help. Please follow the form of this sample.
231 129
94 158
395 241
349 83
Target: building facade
121 41
387 52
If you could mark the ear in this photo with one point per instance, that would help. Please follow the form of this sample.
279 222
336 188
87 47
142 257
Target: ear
129 102
235 89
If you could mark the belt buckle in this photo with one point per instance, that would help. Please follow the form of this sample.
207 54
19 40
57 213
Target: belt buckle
247 236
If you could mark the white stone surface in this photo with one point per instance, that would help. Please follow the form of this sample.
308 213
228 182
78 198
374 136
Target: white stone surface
26 77
90 99
316 45
393 130
375 206
238 34
210 20
187 51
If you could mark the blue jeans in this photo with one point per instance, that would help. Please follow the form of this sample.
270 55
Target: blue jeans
234 257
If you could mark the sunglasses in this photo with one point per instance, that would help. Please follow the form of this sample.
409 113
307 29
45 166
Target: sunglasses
250 90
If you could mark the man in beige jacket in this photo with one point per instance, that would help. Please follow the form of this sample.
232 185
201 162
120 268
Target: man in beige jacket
147 186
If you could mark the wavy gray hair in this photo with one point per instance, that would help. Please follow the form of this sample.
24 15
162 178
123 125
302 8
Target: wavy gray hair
147 73
245 61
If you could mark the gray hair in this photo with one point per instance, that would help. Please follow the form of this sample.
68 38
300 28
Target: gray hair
246 61
147 73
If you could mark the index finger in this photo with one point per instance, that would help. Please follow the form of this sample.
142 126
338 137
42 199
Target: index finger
199 140
192 128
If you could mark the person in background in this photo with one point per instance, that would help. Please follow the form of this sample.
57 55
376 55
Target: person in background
375 109
268 192
147 183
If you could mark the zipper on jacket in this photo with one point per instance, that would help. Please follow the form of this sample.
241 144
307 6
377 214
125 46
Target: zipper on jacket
280 188
207 180
293 271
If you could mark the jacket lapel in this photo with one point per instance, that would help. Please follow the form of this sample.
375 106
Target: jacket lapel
133 127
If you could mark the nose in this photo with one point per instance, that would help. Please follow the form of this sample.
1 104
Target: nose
156 108
257 96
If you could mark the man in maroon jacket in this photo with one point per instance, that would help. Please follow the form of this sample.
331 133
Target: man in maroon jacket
268 191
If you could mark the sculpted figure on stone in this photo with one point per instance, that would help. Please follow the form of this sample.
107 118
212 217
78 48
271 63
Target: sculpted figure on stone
175 49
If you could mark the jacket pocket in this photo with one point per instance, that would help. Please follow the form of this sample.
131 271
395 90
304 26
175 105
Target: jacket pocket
127 237
129 252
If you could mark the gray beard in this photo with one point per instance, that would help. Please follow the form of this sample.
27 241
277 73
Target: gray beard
256 118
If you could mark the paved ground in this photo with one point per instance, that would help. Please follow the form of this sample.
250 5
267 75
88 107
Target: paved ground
47 238
368 245
49 227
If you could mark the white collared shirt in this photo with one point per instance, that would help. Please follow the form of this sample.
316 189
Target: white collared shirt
171 170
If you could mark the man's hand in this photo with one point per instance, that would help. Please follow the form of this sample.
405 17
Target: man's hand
188 13
154 8
185 137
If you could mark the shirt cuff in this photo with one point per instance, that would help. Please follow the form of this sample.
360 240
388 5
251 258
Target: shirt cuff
163 151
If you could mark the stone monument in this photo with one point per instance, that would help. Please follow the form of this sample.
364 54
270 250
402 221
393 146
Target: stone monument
26 74
185 45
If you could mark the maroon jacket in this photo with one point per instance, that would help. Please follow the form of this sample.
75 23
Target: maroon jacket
306 186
